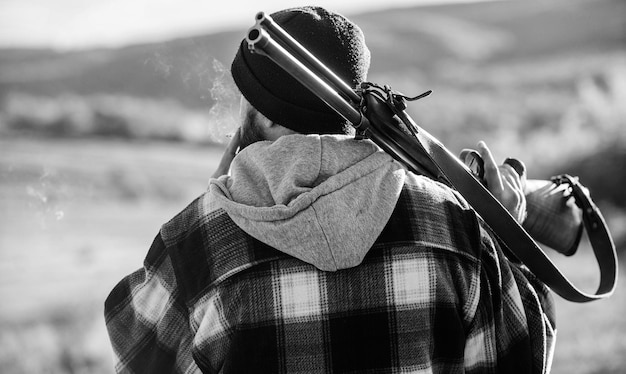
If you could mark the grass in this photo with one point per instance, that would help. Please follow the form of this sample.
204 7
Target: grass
75 217
591 337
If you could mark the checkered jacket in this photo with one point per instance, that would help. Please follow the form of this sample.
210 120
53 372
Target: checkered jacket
435 294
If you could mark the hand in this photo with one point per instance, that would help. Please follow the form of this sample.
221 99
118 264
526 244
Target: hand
228 156
504 182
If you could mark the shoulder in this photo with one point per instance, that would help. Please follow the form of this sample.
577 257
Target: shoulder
206 247
434 191
428 211
189 220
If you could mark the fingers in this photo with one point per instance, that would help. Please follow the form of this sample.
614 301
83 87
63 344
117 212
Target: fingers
510 175
234 143
492 172
505 182
228 155
516 164
474 162
520 170
513 197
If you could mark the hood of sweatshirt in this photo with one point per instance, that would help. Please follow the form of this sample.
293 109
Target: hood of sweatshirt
322 199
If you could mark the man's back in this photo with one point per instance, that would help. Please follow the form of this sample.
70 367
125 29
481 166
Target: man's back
433 294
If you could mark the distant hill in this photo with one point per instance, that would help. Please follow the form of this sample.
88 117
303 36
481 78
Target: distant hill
418 41
179 69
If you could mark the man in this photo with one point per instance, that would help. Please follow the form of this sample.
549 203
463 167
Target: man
320 254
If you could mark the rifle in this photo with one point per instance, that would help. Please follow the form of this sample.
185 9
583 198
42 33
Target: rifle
378 113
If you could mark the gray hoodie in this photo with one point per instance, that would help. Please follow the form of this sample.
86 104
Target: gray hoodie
323 199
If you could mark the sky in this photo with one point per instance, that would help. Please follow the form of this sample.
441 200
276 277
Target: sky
76 24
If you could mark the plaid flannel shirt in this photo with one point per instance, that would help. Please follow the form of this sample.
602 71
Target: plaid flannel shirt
435 294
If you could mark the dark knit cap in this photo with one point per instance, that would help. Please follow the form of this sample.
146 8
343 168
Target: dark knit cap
334 40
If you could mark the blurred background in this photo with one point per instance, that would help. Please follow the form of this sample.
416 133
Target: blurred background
114 114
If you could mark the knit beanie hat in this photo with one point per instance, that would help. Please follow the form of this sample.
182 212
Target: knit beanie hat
334 40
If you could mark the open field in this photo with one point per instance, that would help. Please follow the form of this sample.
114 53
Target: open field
76 216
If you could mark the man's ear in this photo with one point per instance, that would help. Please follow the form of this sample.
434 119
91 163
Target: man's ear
272 130
263 121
